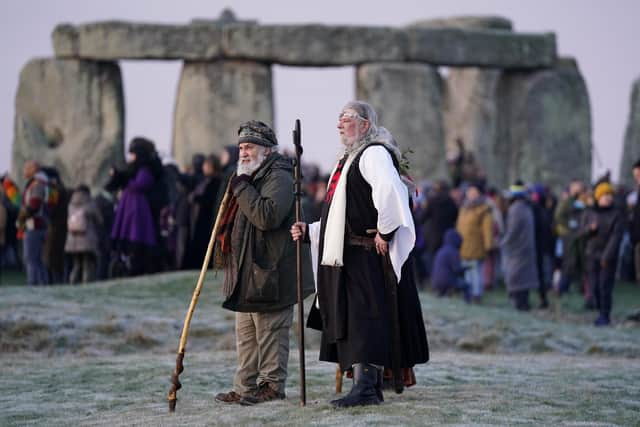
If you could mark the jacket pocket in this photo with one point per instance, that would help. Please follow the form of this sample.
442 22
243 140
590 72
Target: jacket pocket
263 286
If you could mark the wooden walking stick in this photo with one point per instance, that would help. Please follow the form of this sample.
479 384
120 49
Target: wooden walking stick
175 382
297 136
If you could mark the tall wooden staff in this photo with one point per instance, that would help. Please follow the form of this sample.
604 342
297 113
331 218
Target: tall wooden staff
175 383
297 136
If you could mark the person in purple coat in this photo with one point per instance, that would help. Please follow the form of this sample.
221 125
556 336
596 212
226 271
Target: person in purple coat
447 267
134 230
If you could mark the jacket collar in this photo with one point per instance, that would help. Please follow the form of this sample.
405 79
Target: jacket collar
268 164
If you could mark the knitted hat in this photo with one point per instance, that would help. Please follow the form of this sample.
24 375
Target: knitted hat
257 132
602 189
517 189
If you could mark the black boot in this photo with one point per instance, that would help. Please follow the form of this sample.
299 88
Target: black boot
353 383
365 378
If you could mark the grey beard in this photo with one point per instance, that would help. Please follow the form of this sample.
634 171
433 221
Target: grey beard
353 147
251 167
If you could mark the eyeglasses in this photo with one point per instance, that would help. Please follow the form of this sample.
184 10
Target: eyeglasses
349 116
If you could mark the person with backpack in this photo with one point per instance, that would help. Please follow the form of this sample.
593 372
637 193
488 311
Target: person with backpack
82 235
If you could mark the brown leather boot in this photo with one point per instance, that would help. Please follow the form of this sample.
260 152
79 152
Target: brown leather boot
265 393
230 397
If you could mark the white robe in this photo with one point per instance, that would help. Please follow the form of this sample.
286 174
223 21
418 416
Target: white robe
390 198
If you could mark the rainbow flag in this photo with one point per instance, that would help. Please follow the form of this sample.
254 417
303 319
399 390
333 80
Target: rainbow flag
11 190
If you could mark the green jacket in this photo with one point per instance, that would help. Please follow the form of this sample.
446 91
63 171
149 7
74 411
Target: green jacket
261 275
567 218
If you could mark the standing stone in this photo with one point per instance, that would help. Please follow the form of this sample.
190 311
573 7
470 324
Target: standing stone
470 113
408 100
544 129
70 114
631 149
213 99
470 105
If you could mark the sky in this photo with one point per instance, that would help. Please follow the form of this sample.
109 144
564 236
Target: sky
601 35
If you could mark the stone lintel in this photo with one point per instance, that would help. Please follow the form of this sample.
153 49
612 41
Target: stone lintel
306 45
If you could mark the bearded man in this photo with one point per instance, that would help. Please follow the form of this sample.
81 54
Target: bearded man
259 261
368 303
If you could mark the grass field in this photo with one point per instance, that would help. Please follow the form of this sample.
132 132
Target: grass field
102 354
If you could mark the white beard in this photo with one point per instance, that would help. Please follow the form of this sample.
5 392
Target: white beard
252 166
351 146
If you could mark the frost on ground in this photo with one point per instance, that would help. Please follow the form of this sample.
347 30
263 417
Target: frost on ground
102 354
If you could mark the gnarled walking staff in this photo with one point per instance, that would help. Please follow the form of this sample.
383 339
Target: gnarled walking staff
175 382
297 137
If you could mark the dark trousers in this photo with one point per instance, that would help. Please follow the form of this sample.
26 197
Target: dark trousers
601 280
521 300
570 265
84 267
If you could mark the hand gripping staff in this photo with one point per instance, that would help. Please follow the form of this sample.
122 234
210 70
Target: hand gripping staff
175 383
297 136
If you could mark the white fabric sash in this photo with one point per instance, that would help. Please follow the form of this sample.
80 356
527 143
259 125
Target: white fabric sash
336 218
392 194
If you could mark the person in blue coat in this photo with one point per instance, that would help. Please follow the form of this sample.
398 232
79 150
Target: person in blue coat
447 267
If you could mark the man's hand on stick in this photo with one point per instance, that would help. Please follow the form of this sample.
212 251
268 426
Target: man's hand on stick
298 230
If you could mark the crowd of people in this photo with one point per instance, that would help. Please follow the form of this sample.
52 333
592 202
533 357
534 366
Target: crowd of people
369 236
471 238
149 217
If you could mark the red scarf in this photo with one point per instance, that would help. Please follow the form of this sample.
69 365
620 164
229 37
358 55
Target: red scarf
334 179
223 235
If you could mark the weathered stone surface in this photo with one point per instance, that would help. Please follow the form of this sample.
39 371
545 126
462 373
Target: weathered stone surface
305 45
631 149
481 48
213 99
70 114
470 112
470 96
127 40
544 127
408 99
315 45
479 22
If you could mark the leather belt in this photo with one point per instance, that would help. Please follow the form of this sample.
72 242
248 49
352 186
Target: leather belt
366 242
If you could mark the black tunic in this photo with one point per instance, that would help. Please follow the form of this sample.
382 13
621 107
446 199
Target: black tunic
354 308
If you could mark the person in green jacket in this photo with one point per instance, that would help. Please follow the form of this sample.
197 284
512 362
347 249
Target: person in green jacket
255 250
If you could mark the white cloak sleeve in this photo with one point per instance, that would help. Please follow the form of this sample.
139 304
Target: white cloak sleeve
391 199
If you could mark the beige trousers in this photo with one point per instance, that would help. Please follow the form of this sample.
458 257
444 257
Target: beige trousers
262 344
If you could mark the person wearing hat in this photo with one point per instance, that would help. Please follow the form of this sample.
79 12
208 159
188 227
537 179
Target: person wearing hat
602 226
258 257
518 247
